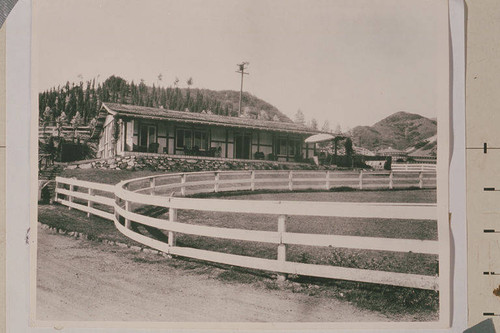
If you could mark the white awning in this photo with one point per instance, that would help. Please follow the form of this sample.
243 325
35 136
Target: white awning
322 137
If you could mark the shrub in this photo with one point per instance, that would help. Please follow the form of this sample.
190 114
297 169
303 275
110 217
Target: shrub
259 155
271 157
298 158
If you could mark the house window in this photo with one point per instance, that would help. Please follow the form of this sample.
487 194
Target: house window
148 135
293 147
180 139
281 146
188 139
200 139
288 147
184 139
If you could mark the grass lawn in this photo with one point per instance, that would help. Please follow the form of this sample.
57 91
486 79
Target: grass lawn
375 260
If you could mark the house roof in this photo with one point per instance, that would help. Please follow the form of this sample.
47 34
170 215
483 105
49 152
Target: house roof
143 112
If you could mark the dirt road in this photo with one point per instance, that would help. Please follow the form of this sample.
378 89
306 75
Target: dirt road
85 280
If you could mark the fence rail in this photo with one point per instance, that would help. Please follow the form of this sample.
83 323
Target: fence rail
293 180
169 191
415 167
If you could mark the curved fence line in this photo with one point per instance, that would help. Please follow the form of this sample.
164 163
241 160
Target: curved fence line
168 191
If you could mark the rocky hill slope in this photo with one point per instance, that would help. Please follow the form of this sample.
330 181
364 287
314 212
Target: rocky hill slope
401 130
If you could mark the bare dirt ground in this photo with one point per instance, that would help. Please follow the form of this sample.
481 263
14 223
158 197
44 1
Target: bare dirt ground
80 280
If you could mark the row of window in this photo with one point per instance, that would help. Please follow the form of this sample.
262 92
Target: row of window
290 149
188 139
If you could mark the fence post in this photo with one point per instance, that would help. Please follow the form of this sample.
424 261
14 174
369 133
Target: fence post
172 217
183 186
327 180
391 181
252 180
290 180
70 198
90 203
55 191
216 183
127 208
281 245
421 180
152 184
361 179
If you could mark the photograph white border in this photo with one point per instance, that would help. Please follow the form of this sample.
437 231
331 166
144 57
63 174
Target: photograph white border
16 124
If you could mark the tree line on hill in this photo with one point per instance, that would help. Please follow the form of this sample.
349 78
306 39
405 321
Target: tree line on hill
86 99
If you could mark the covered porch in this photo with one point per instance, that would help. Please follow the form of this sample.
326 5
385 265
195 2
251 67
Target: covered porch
180 139
131 129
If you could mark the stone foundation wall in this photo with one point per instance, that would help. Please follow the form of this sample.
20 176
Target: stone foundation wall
172 164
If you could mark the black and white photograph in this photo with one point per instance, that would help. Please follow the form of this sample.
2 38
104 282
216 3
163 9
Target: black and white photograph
241 164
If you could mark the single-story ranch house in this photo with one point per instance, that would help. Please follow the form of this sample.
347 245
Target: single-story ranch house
125 129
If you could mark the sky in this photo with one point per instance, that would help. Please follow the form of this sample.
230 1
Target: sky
351 62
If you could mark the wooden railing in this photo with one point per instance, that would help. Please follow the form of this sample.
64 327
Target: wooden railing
164 191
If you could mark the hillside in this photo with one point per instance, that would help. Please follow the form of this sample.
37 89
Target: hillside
86 98
400 130
427 147
252 106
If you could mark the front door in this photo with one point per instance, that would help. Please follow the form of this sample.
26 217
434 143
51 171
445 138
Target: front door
148 136
242 146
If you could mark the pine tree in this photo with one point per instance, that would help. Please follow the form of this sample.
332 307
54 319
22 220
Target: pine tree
299 118
76 122
326 126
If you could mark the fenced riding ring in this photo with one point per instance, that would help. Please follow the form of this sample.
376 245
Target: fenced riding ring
122 204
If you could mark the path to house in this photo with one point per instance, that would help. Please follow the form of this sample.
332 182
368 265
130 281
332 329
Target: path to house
85 280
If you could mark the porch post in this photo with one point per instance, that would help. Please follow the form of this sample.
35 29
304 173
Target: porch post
287 146
227 138
258 140
123 137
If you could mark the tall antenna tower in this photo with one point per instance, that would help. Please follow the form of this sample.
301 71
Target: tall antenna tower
241 70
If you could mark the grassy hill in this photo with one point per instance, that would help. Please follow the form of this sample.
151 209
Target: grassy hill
400 130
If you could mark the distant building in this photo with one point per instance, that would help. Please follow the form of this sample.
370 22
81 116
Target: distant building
363 151
392 152
129 129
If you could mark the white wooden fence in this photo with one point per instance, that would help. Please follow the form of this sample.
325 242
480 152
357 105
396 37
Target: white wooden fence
92 193
413 167
164 191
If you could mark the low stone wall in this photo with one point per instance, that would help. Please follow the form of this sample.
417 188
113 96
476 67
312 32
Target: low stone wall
173 164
